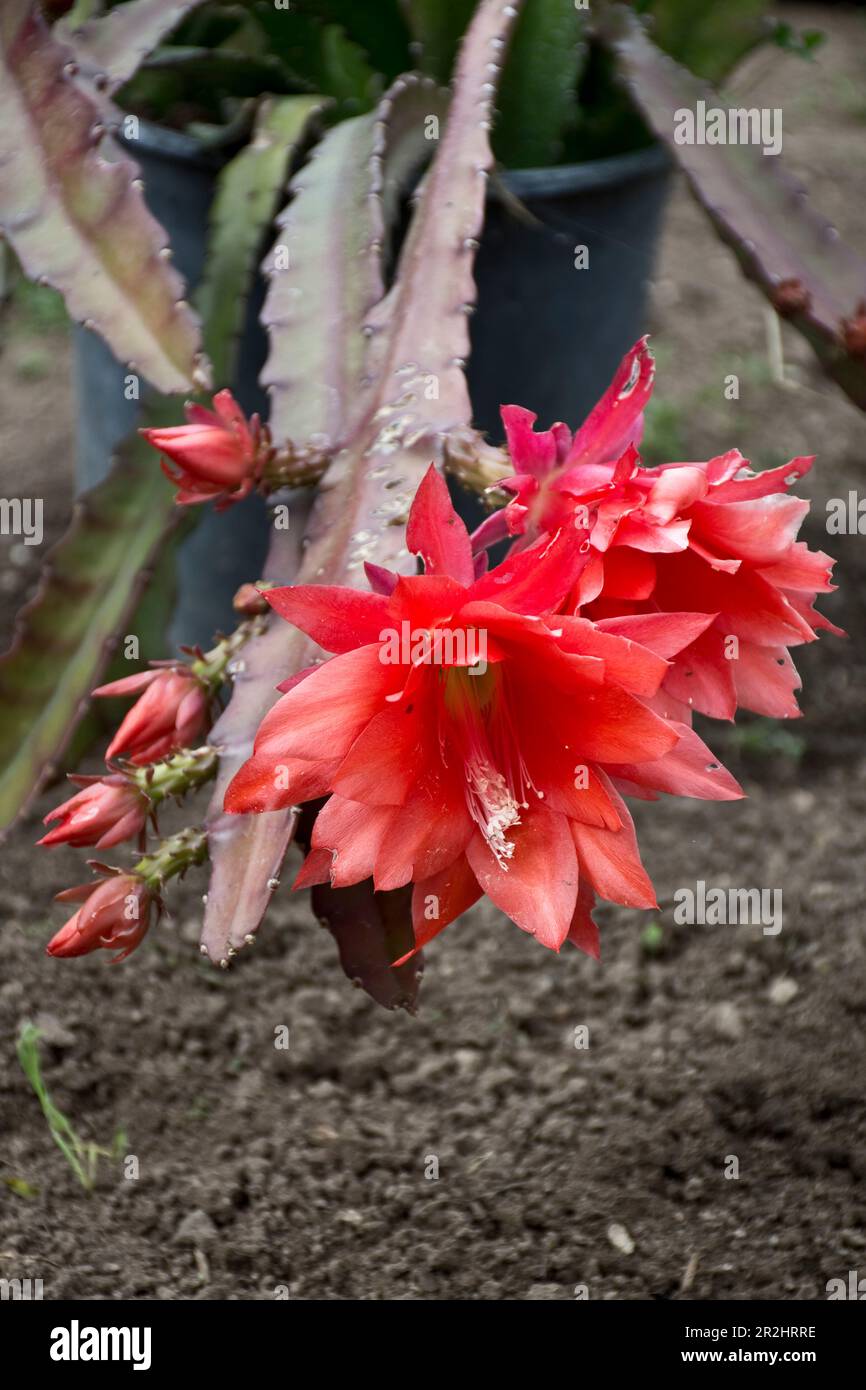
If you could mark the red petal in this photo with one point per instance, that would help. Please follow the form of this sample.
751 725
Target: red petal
628 574
762 484
269 783
536 580
610 859
535 454
322 717
391 752
128 685
702 676
438 900
690 769
808 571
316 868
436 532
617 420
355 833
633 667
662 633
537 887
339 619
759 532
583 932
427 834
765 680
674 490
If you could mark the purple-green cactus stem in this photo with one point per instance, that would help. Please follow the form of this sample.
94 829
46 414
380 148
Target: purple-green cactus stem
72 207
794 256
418 330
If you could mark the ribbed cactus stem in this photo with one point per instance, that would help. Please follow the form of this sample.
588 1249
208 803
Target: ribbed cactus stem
177 775
171 857
213 668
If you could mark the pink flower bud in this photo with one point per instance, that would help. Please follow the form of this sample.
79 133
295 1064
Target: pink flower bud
115 915
103 813
218 455
171 714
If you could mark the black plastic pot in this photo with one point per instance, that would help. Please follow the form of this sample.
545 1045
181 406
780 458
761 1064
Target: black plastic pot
545 334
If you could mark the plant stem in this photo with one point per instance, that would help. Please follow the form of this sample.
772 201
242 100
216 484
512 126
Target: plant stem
171 857
477 465
212 668
175 776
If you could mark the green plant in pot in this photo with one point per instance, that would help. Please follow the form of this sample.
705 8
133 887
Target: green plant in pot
370 288
576 163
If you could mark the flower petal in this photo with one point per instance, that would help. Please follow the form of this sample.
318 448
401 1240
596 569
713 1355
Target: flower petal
617 420
338 619
436 532
537 886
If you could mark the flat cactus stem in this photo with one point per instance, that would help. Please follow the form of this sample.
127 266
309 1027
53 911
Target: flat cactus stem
73 210
362 503
248 193
109 48
792 254
371 930
419 333
65 637
247 852
325 269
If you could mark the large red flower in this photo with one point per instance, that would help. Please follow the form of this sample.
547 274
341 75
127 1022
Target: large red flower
710 537
463 776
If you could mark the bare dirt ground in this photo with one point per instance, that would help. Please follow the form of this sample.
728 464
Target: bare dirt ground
305 1167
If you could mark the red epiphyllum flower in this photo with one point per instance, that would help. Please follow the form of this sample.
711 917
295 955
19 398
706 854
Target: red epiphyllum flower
106 811
171 714
709 537
464 776
115 915
218 455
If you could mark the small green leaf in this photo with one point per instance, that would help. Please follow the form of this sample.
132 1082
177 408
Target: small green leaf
21 1187
709 39
804 43
82 1155
652 938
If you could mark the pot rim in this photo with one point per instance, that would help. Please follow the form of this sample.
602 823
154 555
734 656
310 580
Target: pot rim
588 176
552 181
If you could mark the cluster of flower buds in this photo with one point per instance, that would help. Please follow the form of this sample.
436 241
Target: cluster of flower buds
154 755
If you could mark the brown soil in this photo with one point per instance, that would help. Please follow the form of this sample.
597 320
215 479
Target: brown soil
305 1167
